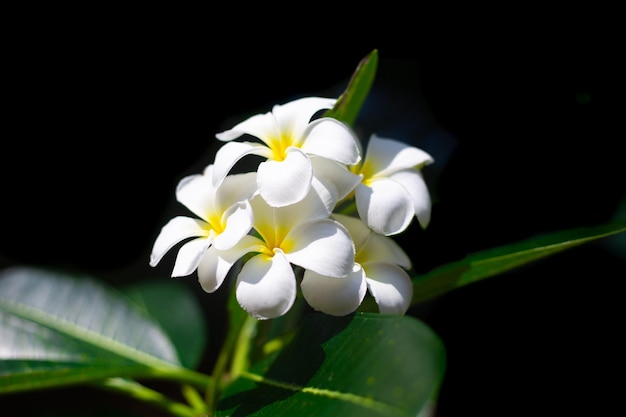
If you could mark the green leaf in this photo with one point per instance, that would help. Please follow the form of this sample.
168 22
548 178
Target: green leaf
58 330
177 310
361 365
492 262
351 100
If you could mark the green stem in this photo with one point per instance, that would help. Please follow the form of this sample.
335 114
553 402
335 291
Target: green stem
239 360
238 318
194 398
135 390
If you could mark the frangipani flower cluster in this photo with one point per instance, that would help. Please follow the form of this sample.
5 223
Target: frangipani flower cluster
289 212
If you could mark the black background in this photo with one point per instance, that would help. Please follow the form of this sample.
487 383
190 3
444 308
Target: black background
103 117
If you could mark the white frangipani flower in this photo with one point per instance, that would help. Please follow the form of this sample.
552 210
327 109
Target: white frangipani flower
335 180
379 266
289 138
301 234
392 190
225 217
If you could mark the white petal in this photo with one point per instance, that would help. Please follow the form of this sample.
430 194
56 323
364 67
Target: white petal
189 256
293 117
332 139
322 195
259 125
385 206
334 296
414 183
228 155
246 245
266 286
318 203
176 230
383 248
371 246
334 177
357 229
323 246
214 268
270 221
235 188
290 118
239 220
386 156
197 193
285 182
390 285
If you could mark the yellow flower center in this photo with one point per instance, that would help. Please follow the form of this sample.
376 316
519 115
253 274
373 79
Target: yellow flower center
366 170
275 237
215 223
279 144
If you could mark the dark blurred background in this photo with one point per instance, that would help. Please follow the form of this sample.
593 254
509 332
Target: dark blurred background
101 120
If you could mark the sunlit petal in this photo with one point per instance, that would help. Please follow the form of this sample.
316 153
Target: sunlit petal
332 139
269 221
234 189
357 229
385 206
174 231
239 219
323 246
386 156
228 155
318 203
334 296
335 177
371 246
245 245
189 256
261 126
266 286
214 267
382 248
293 117
196 192
390 285
414 183
285 182
322 195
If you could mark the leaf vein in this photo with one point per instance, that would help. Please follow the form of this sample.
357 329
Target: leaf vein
85 334
366 402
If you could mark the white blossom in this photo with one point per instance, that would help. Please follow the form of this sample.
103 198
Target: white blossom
289 138
224 217
392 190
380 266
300 234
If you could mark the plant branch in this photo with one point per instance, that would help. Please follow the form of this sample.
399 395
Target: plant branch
140 392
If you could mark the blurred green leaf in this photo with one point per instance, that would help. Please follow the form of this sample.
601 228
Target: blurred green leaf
177 310
360 365
58 330
492 262
351 100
